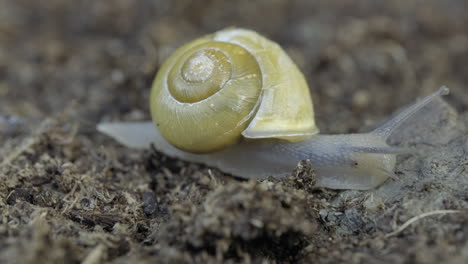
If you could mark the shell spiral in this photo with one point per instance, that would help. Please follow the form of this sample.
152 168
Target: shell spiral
211 92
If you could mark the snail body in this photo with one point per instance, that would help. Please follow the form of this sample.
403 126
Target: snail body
247 110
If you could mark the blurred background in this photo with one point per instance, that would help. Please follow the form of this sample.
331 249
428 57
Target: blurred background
363 59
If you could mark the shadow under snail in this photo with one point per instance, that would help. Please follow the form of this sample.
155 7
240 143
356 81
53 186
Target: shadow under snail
234 100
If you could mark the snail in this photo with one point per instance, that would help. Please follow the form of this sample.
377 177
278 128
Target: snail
234 100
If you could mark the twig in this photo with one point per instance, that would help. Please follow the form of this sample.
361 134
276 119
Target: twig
419 217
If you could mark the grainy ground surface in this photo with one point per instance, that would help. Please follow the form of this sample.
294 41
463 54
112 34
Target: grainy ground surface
71 195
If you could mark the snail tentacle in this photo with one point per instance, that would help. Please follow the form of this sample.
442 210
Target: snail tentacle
389 127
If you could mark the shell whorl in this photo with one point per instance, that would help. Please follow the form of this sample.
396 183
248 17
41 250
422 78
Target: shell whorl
205 97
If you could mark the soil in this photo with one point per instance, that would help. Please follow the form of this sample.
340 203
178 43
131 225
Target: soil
71 195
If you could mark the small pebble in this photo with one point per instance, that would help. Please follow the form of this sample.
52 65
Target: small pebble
149 203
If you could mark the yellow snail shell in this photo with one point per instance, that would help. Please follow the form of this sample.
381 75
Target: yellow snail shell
229 84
